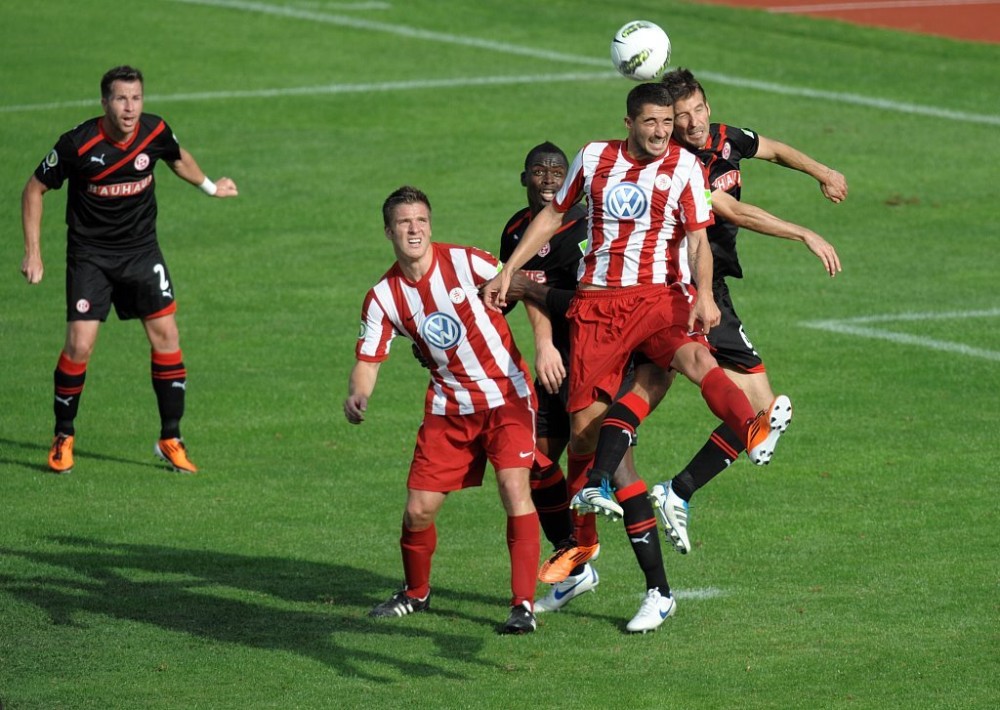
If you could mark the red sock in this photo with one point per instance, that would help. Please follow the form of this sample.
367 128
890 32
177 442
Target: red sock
584 526
727 401
418 548
525 551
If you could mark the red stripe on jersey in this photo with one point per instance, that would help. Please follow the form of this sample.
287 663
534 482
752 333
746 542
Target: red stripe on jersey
474 363
639 213
91 143
131 156
525 218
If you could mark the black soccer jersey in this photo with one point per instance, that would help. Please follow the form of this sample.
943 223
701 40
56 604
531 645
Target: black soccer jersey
111 204
556 264
726 147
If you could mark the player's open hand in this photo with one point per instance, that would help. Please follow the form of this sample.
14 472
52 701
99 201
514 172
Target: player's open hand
494 291
705 315
824 251
549 368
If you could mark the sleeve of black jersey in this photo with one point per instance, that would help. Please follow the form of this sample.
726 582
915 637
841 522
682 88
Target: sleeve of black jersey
507 243
745 140
170 147
57 165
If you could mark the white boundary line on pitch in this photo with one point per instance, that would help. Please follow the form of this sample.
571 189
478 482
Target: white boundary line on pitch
878 5
503 47
858 327
698 594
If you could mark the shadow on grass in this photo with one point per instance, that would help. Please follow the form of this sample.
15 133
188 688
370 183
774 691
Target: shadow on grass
312 609
39 451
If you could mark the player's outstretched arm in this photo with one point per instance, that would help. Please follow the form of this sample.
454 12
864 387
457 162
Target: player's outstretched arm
31 223
359 390
832 183
748 216
187 169
542 227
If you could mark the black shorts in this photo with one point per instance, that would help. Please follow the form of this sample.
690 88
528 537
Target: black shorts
730 344
137 284
552 419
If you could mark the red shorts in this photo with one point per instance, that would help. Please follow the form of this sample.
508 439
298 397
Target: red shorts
607 325
452 450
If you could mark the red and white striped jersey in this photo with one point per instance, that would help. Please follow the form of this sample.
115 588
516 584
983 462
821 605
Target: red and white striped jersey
475 364
639 213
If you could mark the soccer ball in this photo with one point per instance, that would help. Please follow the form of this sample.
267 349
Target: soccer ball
640 50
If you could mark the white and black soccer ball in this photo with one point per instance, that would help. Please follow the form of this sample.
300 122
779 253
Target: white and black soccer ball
640 50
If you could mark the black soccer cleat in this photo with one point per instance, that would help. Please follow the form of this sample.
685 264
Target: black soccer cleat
521 619
400 604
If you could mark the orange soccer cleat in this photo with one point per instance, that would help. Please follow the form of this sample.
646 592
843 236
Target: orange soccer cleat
766 428
174 452
564 560
61 454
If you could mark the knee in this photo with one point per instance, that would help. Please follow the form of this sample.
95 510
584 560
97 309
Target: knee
417 517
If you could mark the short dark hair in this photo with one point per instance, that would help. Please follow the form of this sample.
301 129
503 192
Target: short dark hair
546 148
405 195
122 73
649 93
681 84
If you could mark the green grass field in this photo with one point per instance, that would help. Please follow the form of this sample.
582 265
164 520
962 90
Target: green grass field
860 570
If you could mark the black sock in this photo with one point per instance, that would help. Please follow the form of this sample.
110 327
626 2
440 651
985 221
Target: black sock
640 526
722 448
551 499
170 385
68 380
615 437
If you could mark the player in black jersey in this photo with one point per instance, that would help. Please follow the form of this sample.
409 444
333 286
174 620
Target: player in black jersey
721 148
112 255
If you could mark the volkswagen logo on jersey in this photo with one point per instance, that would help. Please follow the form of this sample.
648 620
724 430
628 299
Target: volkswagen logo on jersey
625 201
441 330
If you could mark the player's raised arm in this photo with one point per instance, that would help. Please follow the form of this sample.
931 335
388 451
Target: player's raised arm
761 221
831 182
541 230
187 169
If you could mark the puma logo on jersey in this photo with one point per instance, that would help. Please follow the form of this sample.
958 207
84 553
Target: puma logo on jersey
179 385
64 401
644 539
96 159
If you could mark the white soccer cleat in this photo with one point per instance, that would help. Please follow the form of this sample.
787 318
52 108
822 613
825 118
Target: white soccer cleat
570 588
672 512
597 500
766 428
653 611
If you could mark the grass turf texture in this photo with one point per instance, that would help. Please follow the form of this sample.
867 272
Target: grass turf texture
859 570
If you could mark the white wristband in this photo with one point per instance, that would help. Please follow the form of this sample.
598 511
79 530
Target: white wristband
208 187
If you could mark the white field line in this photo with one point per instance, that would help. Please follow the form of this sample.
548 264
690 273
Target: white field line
699 594
877 5
864 327
334 89
501 47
